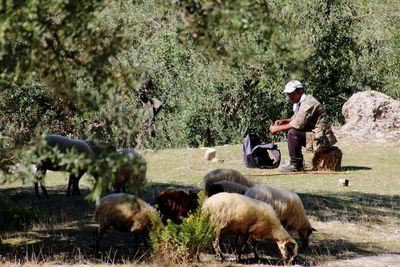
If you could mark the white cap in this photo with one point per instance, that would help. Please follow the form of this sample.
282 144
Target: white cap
292 86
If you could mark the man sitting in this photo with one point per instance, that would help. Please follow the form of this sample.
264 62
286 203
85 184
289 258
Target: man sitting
308 127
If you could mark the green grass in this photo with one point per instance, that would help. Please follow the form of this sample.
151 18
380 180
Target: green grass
358 220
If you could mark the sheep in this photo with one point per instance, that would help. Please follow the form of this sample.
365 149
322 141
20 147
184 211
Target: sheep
89 153
62 144
288 207
232 213
226 186
227 175
132 172
125 213
174 204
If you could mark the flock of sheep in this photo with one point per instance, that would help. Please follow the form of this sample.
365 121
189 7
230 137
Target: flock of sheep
235 205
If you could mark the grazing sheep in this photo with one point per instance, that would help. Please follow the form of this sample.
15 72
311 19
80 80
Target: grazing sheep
89 152
288 207
174 204
125 213
226 186
233 213
227 175
63 145
132 173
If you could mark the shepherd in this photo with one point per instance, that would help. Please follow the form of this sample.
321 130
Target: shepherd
309 126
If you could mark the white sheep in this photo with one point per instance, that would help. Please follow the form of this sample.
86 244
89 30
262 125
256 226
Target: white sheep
232 213
288 207
225 175
226 186
125 213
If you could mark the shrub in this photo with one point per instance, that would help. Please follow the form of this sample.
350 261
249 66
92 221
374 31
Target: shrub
17 218
186 240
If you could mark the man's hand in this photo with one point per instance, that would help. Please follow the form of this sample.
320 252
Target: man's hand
273 129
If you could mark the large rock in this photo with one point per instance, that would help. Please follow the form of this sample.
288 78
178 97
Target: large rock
372 115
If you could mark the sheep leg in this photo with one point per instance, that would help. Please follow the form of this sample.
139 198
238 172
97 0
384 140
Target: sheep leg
40 173
254 248
70 183
216 245
75 187
74 183
239 247
44 191
100 232
142 238
36 185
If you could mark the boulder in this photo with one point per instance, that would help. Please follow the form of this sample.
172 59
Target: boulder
371 115
210 154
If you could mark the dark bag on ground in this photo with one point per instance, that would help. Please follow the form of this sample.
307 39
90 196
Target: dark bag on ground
257 155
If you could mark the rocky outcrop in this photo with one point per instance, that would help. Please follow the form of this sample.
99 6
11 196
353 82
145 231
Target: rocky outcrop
372 115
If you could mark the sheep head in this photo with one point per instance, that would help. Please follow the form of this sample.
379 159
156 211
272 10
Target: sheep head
304 235
288 249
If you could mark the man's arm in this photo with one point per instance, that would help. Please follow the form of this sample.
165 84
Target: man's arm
273 129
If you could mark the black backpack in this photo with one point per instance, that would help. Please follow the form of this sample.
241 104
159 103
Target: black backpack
256 154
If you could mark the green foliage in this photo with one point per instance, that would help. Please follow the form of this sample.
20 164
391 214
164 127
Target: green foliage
14 218
25 112
186 240
226 28
329 73
377 33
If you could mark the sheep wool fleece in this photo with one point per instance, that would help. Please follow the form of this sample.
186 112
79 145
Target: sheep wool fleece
124 212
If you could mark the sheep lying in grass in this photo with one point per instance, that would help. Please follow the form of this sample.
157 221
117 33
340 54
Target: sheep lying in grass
132 172
233 213
62 145
226 175
174 204
226 186
125 213
288 207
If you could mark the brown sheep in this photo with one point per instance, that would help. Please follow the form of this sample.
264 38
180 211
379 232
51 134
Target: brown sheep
174 204
125 213
132 172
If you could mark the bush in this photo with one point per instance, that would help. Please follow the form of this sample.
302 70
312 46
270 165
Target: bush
17 218
186 240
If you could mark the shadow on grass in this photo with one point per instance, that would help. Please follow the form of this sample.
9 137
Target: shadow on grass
269 253
66 228
355 168
352 207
